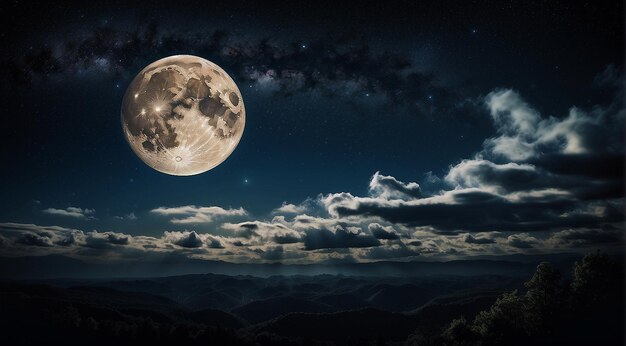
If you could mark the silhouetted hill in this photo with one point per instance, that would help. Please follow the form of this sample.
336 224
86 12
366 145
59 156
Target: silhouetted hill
322 293
314 304
215 318
343 301
109 302
322 309
366 325
262 310
343 327
403 297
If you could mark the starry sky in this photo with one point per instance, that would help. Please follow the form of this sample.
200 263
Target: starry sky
393 130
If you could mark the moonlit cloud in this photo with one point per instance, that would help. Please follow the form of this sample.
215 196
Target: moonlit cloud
258 232
522 241
524 134
34 240
382 232
184 239
510 185
338 237
192 214
289 208
105 240
586 238
71 212
388 187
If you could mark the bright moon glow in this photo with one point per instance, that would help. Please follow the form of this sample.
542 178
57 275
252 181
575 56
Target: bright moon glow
197 116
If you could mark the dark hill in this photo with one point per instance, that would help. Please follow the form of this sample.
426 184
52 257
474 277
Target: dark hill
262 310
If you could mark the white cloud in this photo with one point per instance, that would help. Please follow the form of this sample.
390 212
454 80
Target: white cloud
71 212
192 214
524 134
288 208
388 187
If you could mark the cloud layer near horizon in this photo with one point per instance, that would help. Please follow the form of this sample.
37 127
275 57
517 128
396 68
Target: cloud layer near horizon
539 185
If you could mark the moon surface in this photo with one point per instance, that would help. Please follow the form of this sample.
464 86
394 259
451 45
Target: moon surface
183 115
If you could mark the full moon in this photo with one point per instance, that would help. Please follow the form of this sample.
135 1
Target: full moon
183 115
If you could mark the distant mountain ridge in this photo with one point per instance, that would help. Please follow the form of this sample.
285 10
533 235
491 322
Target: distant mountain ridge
57 266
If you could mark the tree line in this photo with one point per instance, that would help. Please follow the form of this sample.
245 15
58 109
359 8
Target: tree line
586 309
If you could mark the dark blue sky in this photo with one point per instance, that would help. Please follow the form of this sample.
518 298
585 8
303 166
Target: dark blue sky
403 92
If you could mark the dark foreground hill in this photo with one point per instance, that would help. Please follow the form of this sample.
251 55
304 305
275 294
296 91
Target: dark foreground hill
100 314
546 308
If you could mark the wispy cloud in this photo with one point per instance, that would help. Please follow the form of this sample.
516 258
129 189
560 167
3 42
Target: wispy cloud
72 212
130 216
191 214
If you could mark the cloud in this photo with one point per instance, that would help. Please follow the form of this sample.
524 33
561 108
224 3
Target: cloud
259 232
290 209
271 253
192 214
105 240
184 239
66 241
611 76
308 205
388 187
338 238
473 210
521 241
470 239
585 238
214 243
524 134
118 239
532 176
501 178
396 249
71 212
131 216
382 232
31 239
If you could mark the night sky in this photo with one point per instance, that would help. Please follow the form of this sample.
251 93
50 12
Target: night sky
394 130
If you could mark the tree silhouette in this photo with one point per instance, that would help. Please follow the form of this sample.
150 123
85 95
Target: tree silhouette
459 333
545 299
595 276
587 311
504 322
